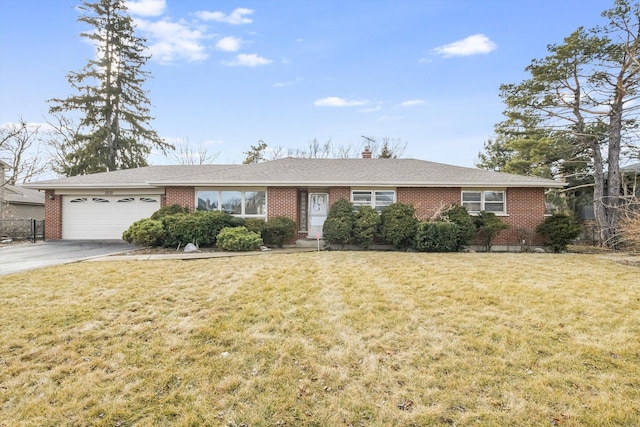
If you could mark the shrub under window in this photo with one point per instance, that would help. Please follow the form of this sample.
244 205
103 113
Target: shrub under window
398 225
437 236
238 239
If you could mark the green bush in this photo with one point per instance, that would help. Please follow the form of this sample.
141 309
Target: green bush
488 225
169 210
278 230
365 225
254 224
437 236
398 225
559 230
238 239
337 230
200 228
145 232
338 227
466 229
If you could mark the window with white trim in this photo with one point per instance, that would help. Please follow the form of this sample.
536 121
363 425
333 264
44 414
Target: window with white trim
252 204
487 200
377 199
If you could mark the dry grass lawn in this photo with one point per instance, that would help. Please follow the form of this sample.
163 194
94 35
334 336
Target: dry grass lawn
324 339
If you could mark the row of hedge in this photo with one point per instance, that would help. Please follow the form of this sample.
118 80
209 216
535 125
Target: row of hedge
397 225
175 226
450 231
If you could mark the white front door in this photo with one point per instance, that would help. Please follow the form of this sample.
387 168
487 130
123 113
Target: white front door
318 209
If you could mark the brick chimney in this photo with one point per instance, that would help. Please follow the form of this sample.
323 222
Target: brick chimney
366 154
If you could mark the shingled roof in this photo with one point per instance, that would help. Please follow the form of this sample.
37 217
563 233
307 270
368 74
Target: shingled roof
304 172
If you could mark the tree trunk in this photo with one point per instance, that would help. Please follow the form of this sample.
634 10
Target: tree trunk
599 209
613 176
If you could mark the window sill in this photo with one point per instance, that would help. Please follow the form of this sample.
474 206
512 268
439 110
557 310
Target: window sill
497 214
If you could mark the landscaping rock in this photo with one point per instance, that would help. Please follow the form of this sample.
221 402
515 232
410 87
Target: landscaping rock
190 247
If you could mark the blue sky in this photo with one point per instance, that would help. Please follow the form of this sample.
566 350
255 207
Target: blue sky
226 74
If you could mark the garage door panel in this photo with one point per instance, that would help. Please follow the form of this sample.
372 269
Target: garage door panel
104 217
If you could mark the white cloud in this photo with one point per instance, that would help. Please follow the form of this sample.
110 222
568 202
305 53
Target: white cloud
411 103
237 17
472 45
289 83
229 44
334 101
146 7
370 110
174 40
248 60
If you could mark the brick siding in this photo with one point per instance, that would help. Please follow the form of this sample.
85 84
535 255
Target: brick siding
337 193
283 201
183 196
427 201
52 215
525 209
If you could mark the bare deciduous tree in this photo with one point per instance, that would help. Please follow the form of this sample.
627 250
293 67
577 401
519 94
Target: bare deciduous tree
186 155
21 147
63 140
387 148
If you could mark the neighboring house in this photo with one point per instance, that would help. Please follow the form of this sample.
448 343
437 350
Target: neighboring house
630 179
23 203
103 205
17 202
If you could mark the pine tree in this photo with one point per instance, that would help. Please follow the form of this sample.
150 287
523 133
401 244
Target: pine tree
115 111
583 94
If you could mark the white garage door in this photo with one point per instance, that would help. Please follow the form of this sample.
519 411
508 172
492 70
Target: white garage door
104 217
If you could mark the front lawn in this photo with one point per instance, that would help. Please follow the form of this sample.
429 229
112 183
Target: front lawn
324 339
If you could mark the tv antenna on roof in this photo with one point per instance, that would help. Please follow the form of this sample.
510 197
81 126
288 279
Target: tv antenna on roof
371 140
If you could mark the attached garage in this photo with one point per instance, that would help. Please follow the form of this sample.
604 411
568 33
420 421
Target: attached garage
95 217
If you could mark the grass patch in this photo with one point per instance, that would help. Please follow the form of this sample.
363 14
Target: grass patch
318 339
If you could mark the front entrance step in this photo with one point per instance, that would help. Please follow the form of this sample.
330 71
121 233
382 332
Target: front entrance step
310 243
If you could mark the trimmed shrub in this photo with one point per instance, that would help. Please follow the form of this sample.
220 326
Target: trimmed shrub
200 228
398 225
145 232
437 236
488 225
365 226
341 208
338 227
559 230
169 210
238 239
338 230
254 224
278 230
466 229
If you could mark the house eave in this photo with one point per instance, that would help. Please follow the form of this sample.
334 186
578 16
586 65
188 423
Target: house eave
275 183
103 186
154 185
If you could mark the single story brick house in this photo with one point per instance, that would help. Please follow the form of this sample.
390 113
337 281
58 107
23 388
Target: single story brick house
103 205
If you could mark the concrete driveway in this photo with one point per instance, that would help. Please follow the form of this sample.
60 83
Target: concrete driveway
17 257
